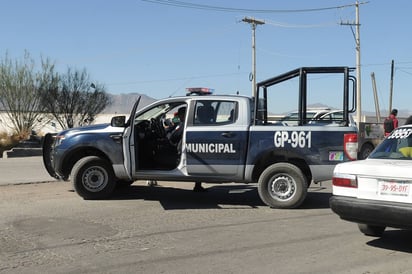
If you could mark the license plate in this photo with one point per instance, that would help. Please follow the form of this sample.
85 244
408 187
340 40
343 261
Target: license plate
394 188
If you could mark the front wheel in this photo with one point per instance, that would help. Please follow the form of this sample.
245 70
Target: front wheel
282 185
93 178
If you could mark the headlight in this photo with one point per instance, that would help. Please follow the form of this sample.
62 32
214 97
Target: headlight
59 139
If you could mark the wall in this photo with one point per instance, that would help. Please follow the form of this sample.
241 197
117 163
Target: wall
41 129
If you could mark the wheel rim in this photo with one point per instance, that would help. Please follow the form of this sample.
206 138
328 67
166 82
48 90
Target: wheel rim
282 187
365 152
95 179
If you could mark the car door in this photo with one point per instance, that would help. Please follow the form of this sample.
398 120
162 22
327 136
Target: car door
128 141
215 139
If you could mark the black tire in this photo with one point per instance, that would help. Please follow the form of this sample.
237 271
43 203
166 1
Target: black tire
366 149
282 185
93 178
371 230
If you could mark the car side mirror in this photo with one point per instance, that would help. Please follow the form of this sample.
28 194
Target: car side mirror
118 121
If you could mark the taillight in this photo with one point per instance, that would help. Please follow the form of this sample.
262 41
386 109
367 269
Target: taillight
350 145
344 180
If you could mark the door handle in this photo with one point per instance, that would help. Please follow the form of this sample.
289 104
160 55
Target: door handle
228 134
117 138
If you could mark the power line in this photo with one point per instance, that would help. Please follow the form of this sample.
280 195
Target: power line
177 79
404 71
183 4
287 25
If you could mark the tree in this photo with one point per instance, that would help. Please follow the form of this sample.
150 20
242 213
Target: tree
72 99
19 92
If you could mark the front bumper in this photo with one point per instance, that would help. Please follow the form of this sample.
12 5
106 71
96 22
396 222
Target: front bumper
48 144
372 212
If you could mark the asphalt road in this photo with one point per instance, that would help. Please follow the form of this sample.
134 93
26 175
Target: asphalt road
48 228
22 170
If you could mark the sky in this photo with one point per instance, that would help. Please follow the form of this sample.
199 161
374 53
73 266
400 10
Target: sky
161 47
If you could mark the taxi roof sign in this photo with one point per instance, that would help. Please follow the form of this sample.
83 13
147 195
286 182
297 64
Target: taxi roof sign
199 91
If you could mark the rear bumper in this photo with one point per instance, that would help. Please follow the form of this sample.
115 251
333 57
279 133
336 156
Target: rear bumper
372 212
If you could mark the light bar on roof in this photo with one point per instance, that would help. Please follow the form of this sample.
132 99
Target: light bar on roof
199 91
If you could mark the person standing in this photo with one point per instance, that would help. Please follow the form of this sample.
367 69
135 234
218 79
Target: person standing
175 135
391 122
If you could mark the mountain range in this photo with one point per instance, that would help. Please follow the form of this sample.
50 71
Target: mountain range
123 103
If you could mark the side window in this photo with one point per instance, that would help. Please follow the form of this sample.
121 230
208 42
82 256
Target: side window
226 113
212 112
205 112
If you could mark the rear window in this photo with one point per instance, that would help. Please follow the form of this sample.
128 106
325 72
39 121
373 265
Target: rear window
398 145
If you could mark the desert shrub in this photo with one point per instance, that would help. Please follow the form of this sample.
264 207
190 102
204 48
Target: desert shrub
8 141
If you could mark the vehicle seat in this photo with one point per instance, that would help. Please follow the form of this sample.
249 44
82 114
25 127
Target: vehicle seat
206 114
232 116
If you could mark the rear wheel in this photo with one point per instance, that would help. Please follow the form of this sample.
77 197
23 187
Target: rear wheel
282 185
365 151
93 178
371 230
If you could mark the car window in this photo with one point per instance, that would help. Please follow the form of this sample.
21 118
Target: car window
330 117
293 117
398 145
215 112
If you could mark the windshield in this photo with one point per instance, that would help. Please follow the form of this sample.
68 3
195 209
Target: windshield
398 145
153 112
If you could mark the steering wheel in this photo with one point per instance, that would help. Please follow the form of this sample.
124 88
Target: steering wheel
158 128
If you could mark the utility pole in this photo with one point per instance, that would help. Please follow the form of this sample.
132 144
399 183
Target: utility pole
253 22
391 87
358 67
358 63
375 96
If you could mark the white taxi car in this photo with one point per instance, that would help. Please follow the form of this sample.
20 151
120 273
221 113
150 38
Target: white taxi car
377 192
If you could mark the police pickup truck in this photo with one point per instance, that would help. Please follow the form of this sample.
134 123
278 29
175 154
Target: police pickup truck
225 138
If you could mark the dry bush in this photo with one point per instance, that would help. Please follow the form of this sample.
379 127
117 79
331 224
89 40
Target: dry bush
5 139
9 141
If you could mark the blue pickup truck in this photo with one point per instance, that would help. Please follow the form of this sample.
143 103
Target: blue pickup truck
225 138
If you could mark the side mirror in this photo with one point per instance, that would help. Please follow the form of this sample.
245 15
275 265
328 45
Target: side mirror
118 121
